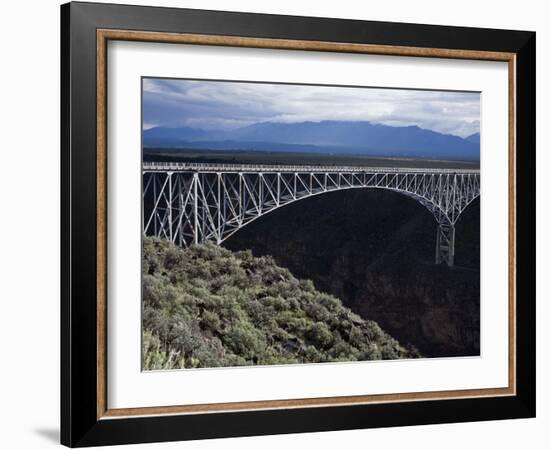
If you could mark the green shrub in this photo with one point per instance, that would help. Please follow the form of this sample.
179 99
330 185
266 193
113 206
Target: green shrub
206 306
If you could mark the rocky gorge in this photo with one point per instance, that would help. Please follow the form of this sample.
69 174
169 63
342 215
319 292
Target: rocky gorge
374 250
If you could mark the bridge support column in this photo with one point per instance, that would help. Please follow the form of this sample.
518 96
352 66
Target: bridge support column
445 244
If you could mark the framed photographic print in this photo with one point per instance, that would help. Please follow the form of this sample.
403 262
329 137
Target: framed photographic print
276 224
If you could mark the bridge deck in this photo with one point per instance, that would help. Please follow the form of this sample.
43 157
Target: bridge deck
254 168
190 203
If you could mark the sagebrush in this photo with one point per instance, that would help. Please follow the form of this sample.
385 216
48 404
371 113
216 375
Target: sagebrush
206 306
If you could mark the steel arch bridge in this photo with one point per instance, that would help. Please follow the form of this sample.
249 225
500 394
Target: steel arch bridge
190 203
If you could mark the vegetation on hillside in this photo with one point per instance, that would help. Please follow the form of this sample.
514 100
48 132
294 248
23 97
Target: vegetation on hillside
206 306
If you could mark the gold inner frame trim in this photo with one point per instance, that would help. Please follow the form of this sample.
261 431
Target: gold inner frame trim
103 36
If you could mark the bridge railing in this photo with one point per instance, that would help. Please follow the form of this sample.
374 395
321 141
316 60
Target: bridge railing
253 168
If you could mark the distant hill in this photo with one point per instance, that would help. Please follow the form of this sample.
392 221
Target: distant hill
163 136
341 137
475 138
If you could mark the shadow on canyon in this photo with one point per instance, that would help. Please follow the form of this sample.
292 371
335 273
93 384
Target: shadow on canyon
375 250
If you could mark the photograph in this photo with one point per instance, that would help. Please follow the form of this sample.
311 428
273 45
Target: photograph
298 223
280 222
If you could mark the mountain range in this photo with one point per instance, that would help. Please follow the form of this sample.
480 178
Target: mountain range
334 137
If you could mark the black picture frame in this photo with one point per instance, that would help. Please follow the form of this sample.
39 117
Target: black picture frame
80 425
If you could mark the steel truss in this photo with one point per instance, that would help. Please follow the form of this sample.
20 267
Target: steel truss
194 203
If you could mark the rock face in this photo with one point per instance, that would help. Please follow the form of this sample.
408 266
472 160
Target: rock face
375 250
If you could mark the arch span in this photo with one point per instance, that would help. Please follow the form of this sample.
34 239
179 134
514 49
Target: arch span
192 203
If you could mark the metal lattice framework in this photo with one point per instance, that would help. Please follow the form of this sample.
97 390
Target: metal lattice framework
190 203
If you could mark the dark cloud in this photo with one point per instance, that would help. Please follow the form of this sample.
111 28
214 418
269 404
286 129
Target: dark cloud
227 105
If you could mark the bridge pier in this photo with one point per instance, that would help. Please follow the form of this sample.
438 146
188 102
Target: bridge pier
445 244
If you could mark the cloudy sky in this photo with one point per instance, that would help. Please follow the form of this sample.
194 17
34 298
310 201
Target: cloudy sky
228 105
